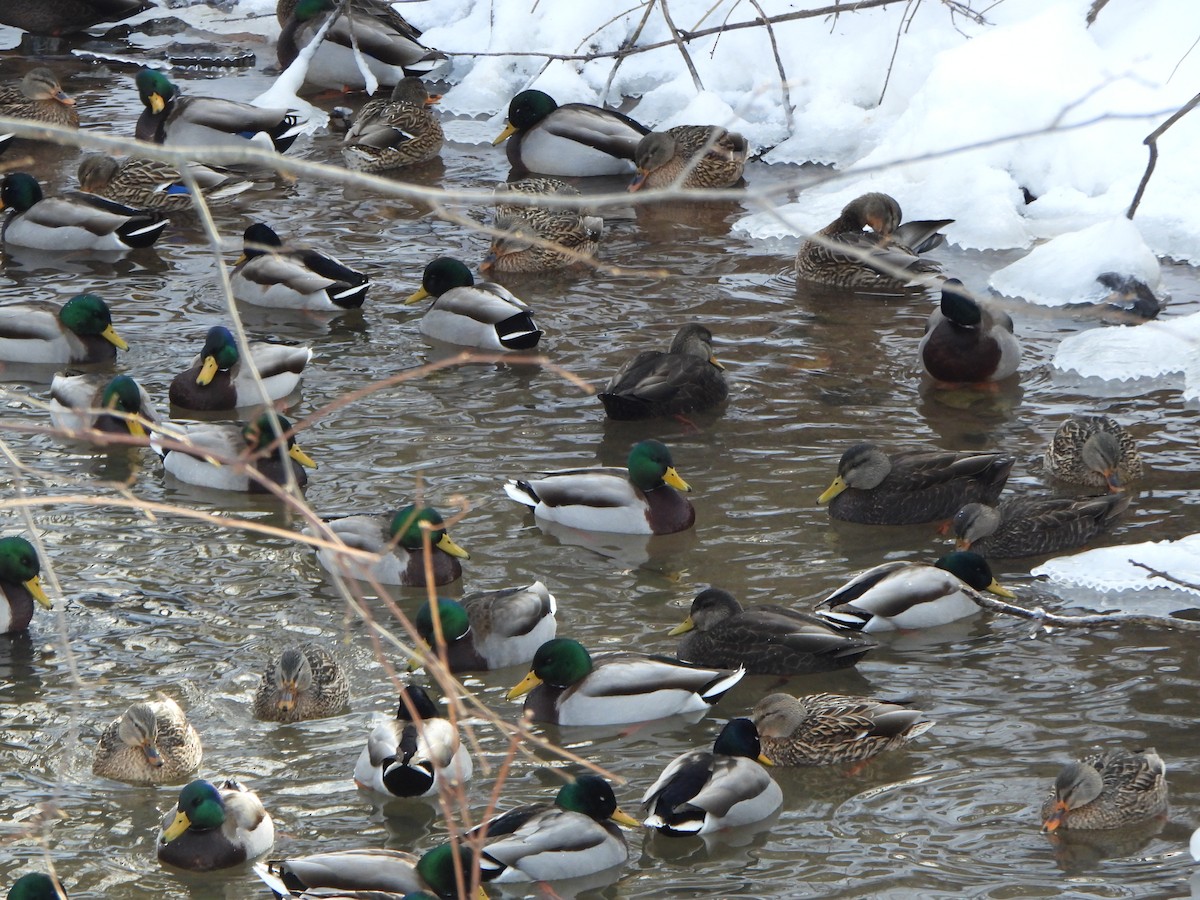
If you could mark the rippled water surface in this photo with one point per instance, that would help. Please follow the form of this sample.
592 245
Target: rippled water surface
181 605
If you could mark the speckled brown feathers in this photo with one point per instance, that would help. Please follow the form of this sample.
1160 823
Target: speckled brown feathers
301 683
710 156
1107 789
827 729
897 246
1094 451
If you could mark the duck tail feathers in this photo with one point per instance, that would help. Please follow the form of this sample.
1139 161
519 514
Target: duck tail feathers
522 492
719 686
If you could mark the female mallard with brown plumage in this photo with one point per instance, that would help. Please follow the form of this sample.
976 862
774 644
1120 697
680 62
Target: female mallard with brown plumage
827 729
301 683
967 341
1034 526
887 249
1107 789
690 156
39 97
149 184
527 230
685 379
1094 451
766 640
912 487
397 132
149 743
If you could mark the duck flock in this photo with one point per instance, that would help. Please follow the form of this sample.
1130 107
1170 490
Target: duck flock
231 429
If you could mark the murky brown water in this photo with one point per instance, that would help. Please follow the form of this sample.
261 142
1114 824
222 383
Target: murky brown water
181 606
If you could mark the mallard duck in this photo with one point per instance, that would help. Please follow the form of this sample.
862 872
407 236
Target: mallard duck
79 331
365 34
827 729
36 886
20 584
912 487
685 379
1107 789
483 315
577 835
77 222
55 17
518 250
690 156
1033 526
112 406
700 792
149 184
217 380
889 243
490 629
149 743
1092 450
209 121
569 686
573 139
392 134
39 97
220 455
903 595
300 683
215 827
766 640
388 535
380 874
1129 301
270 274
642 499
966 341
415 754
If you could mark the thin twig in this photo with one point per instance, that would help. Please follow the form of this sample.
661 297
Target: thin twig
1088 621
687 57
1151 141
788 118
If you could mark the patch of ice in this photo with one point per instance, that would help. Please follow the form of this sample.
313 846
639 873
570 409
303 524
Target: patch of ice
1064 270
1156 349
